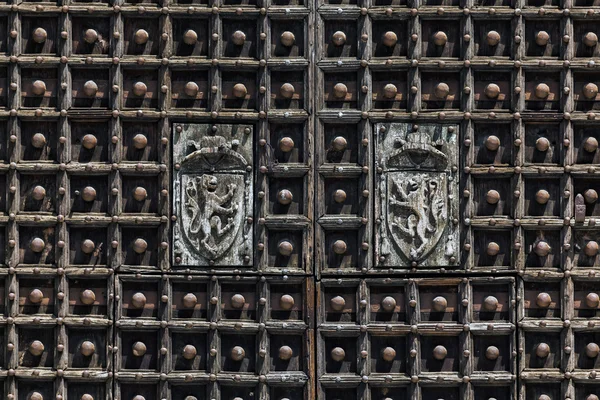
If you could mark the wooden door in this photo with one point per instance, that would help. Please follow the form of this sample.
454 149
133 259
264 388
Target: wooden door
293 199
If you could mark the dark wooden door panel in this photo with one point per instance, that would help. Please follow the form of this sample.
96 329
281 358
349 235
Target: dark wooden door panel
291 199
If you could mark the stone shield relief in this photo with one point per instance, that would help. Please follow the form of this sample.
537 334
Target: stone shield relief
212 195
417 195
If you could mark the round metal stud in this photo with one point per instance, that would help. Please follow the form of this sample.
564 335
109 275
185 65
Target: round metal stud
590 144
339 196
542 144
492 197
285 197
36 296
441 90
140 194
38 140
90 88
339 143
440 38
87 297
542 248
440 352
139 349
35 396
389 39
36 348
492 353
390 91
37 245
590 39
285 353
286 302
543 300
592 300
38 193
542 91
590 196
544 397
190 37
388 354
138 300
88 194
285 248
238 353
189 300
239 91
340 91
592 397
238 38
492 143
490 303
338 38
39 87
286 144
140 141
542 38
388 304
439 303
191 89
592 350
492 38
493 249
90 36
590 91
141 36
337 303
88 246
492 91
287 90
87 348
542 196
39 35
238 301
339 247
89 141
591 248
287 39
338 354
542 350
140 245
189 352
139 89
86 396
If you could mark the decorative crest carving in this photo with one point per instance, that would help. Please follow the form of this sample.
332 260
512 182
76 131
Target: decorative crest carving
417 195
213 187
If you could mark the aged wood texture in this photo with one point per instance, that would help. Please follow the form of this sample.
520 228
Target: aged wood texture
294 199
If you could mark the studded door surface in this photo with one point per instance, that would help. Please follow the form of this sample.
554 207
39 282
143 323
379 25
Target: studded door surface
299 199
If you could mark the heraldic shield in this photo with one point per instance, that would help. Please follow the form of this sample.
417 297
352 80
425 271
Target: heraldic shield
417 189
212 189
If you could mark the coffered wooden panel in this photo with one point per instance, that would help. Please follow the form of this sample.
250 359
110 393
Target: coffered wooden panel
292 199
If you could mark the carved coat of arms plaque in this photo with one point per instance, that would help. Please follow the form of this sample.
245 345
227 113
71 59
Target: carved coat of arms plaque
212 188
417 189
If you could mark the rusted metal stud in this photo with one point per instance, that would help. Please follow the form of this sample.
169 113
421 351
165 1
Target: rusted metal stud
141 36
238 301
440 38
543 300
39 35
439 304
338 354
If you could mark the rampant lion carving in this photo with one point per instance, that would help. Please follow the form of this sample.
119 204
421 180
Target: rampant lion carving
206 209
415 211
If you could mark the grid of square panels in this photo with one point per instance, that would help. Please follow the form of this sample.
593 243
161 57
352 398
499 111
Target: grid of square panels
90 94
